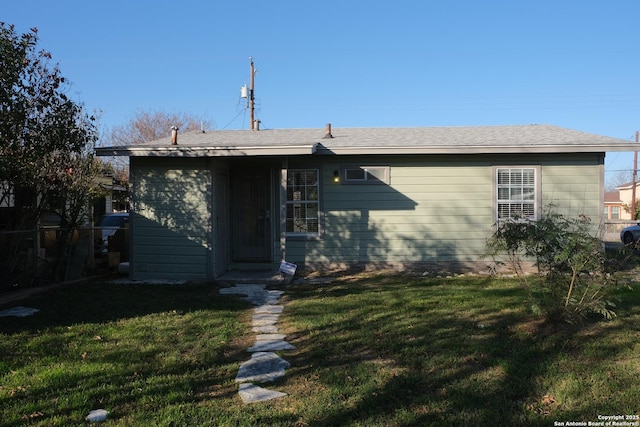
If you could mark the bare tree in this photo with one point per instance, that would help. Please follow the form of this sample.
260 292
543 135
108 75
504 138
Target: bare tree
622 177
148 126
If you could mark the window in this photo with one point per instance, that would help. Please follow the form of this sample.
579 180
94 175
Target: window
302 201
516 193
7 195
365 174
615 212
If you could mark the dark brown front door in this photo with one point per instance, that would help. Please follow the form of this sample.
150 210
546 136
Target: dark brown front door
251 214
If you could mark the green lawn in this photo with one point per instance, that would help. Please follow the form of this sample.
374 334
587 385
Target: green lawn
388 350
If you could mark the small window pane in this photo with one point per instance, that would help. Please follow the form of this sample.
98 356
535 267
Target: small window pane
378 174
355 174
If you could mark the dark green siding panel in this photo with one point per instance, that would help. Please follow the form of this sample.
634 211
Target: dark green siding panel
171 226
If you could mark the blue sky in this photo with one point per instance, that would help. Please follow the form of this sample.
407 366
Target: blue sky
568 63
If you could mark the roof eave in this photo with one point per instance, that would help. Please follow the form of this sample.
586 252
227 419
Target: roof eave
474 149
184 151
187 151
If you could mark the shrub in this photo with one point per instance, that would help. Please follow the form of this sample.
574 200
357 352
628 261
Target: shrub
574 278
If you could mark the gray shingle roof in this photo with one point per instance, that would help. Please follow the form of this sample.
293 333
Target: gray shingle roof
419 140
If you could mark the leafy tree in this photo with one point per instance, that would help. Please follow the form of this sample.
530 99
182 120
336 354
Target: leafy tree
628 208
574 277
46 139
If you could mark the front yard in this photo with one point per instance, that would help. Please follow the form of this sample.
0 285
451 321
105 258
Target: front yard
387 350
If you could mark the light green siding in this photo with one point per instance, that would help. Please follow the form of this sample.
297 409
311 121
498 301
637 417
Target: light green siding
171 225
439 210
573 190
435 210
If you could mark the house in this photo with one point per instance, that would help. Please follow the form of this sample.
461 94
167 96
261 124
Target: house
614 207
114 198
374 197
623 204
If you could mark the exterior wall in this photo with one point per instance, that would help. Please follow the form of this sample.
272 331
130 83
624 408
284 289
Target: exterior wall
171 220
574 186
437 211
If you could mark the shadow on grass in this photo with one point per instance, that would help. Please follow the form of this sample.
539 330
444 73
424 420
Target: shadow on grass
108 301
135 349
431 352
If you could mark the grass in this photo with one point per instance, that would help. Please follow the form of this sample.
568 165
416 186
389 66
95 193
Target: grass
386 350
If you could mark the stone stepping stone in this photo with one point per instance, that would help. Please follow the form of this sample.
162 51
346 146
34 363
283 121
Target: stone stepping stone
270 337
268 309
251 393
263 367
273 296
264 319
271 345
266 329
255 294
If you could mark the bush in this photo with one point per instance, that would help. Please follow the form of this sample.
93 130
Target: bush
574 278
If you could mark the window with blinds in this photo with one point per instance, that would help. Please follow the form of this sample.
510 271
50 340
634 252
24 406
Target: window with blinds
516 193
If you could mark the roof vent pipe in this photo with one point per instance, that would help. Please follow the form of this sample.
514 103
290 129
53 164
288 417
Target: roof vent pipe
328 134
256 124
174 135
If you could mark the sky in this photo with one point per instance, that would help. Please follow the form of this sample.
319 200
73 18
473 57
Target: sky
351 63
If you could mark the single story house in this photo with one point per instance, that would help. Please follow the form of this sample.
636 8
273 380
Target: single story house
426 197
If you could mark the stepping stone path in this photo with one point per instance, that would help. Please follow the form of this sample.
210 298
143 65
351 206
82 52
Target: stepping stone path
264 365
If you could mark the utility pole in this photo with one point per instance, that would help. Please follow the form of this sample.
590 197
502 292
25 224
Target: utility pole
252 102
635 178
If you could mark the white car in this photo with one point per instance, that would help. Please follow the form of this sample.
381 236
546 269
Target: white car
630 234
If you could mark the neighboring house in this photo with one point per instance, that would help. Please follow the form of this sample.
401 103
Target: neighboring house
625 192
115 197
614 207
374 197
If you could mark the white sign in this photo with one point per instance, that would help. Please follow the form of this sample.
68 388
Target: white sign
288 268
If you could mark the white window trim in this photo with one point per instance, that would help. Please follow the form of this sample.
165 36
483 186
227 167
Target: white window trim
537 188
